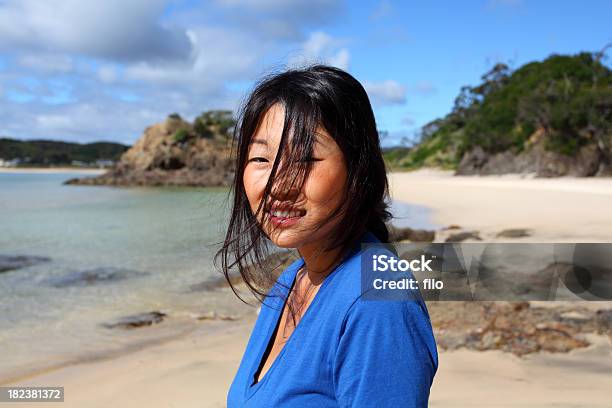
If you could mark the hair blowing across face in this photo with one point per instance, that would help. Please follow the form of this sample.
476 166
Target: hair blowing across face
317 95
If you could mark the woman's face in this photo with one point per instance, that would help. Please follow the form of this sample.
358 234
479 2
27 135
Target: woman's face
297 220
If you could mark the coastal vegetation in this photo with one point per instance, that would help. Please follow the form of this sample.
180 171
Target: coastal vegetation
56 153
560 108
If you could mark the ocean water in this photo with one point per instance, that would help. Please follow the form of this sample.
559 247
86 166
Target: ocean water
161 240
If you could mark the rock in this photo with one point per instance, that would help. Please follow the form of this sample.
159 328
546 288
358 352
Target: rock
514 233
94 276
138 320
472 162
512 327
158 158
408 234
462 236
604 321
450 341
216 282
588 161
490 341
575 317
584 164
518 306
13 262
215 316
556 337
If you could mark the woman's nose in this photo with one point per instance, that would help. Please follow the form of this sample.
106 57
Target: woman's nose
285 189
285 186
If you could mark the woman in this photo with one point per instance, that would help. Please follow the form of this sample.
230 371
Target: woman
310 175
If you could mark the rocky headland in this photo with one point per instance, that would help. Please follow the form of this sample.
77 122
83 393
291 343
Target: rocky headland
175 152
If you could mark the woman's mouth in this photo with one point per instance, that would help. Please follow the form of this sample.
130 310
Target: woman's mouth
285 218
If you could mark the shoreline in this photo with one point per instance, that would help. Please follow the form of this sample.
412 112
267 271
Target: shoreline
197 367
183 333
51 170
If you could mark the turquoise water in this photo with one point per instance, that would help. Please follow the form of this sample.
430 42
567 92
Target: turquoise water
169 234
164 237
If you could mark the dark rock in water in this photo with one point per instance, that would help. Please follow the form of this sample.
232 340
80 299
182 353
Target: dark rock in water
409 234
94 276
138 320
514 233
12 262
462 236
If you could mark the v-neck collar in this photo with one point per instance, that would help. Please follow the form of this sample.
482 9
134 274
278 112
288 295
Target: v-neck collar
251 388
275 321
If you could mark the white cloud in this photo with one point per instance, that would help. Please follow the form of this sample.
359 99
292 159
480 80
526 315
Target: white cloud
320 47
341 59
105 70
46 63
112 29
107 74
220 55
387 92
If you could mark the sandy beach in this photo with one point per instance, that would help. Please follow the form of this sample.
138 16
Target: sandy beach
196 370
557 209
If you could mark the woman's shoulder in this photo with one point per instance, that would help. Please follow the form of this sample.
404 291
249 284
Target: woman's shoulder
395 323
355 272
378 311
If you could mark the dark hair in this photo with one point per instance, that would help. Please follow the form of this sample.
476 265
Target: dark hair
313 96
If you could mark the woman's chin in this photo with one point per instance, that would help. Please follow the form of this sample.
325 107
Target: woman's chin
285 239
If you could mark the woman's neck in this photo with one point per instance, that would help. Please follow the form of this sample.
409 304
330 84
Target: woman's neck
319 264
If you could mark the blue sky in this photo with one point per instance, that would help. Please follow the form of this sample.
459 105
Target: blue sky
104 70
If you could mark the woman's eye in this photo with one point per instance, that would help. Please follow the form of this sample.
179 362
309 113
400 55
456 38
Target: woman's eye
307 159
258 160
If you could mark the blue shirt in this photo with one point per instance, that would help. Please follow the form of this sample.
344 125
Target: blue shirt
345 351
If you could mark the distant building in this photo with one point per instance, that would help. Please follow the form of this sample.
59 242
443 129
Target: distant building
102 163
9 163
